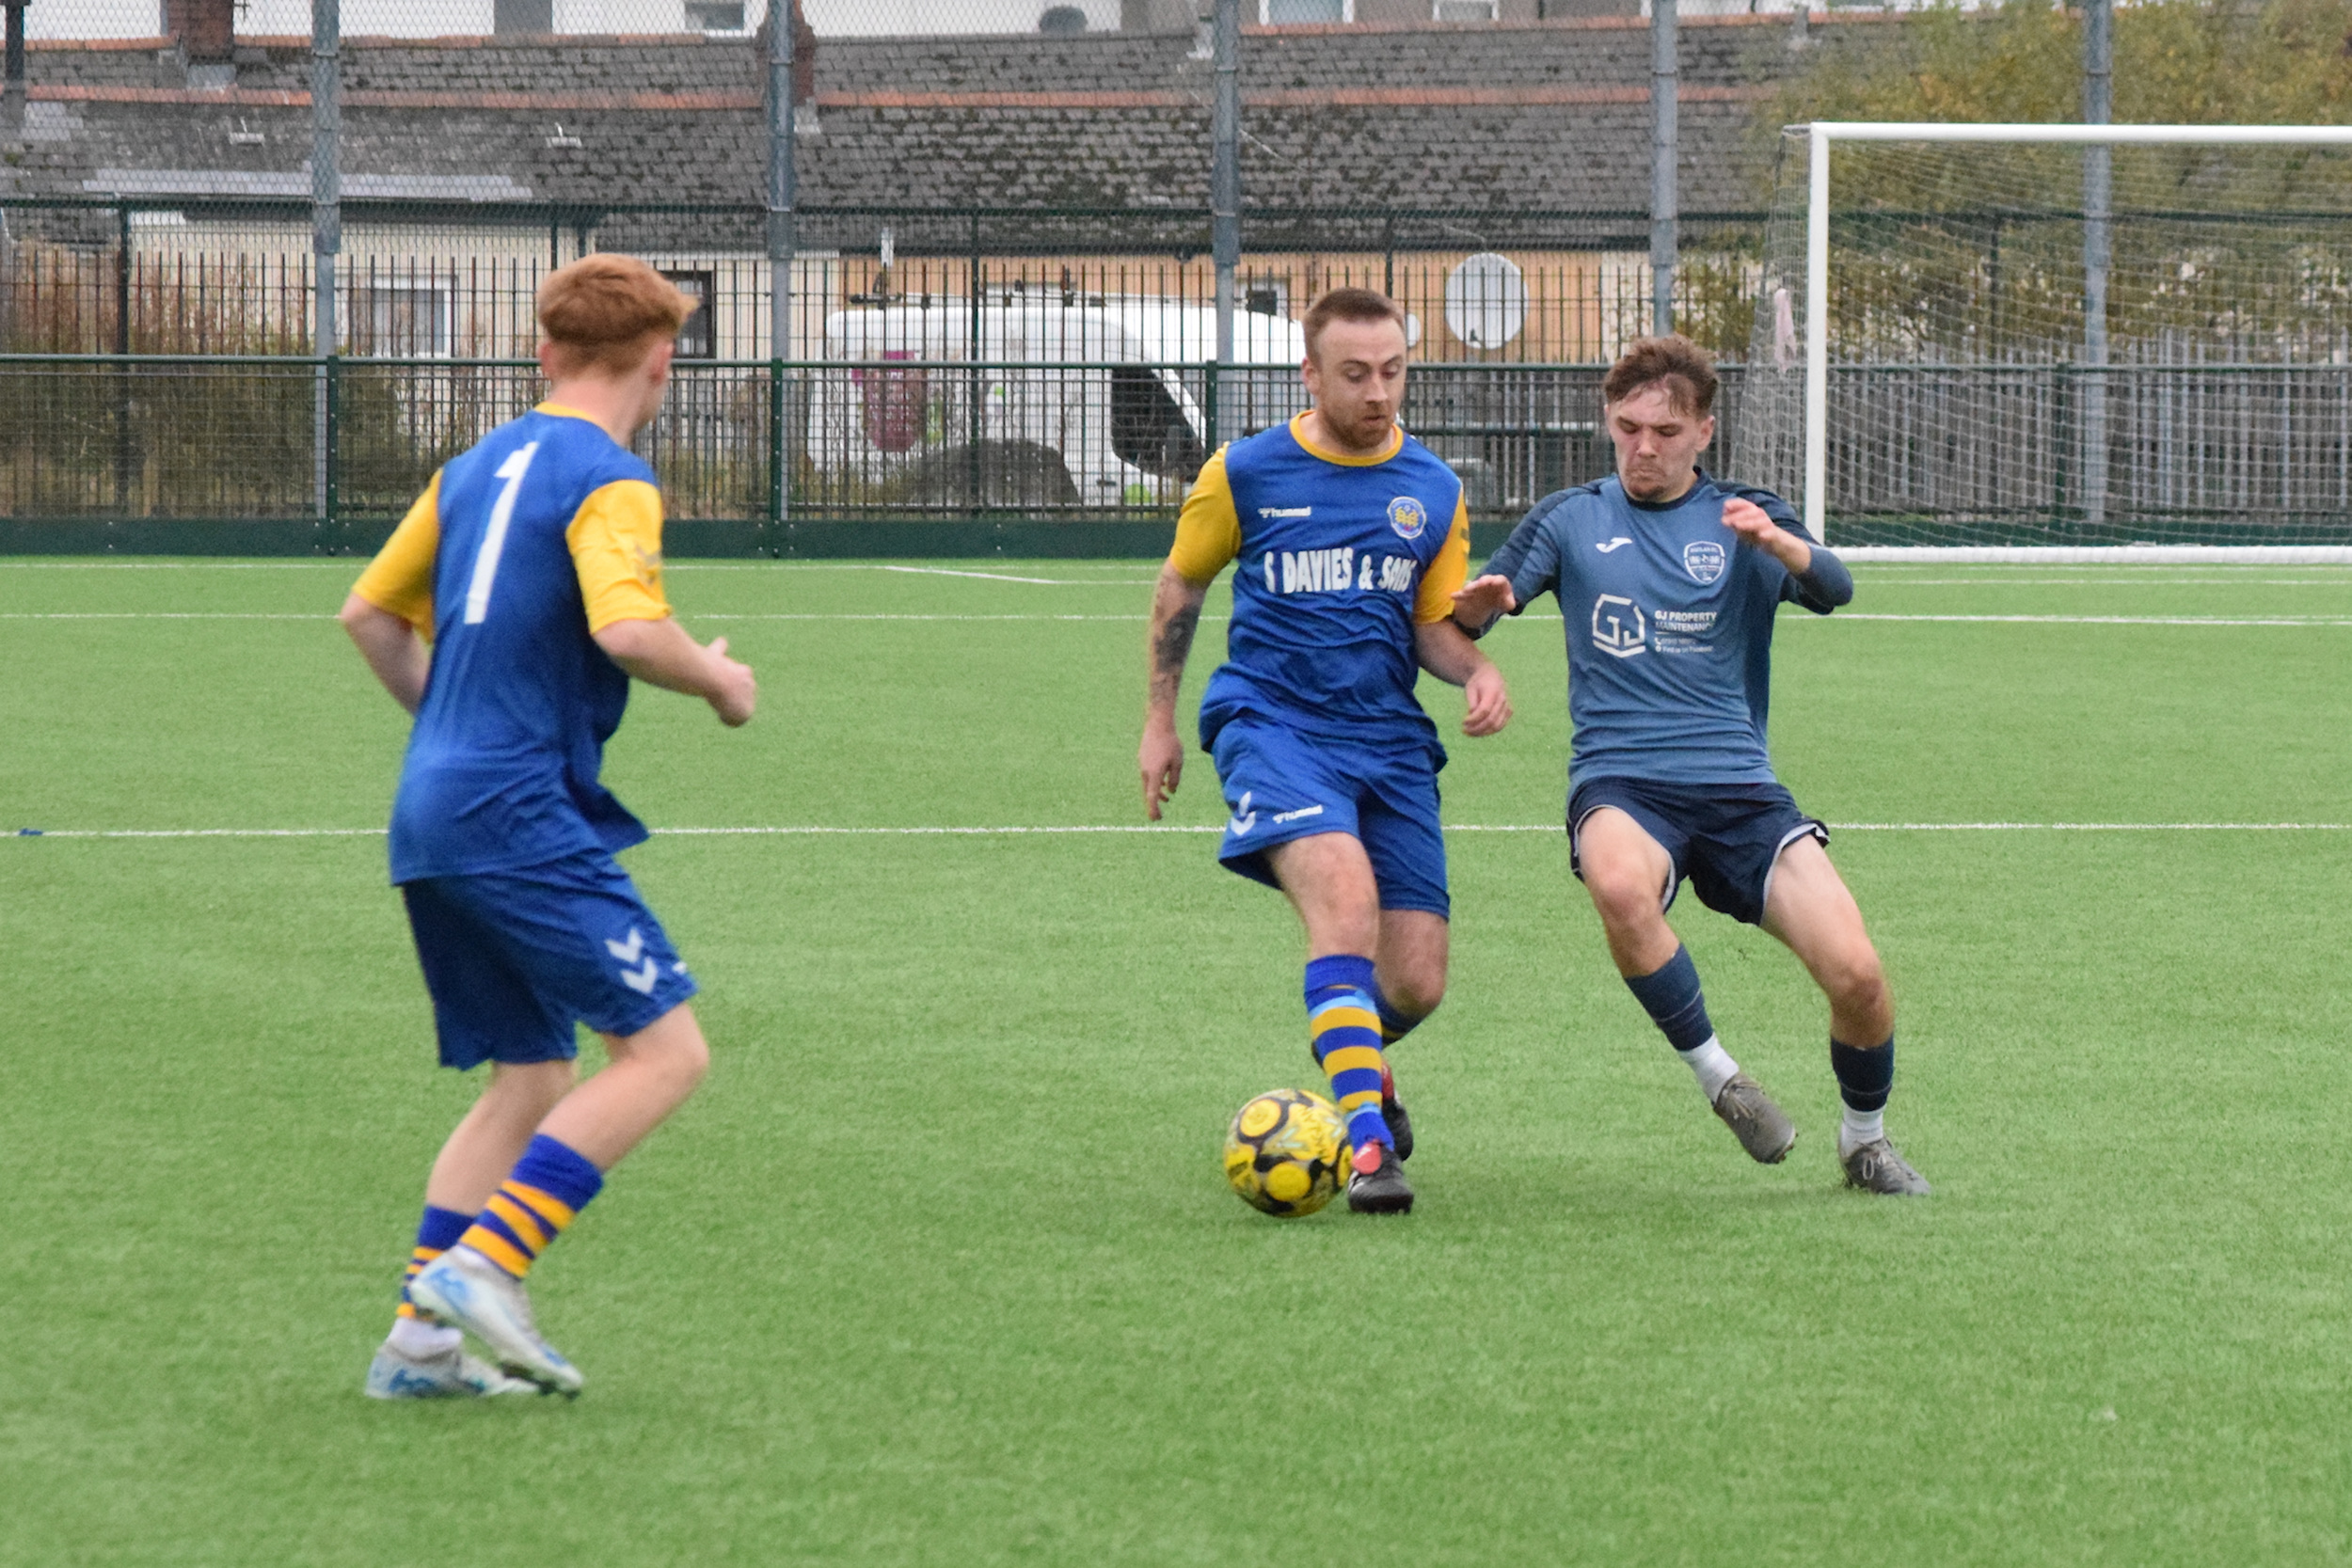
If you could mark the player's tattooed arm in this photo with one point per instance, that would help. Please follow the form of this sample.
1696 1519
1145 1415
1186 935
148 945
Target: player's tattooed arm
1175 617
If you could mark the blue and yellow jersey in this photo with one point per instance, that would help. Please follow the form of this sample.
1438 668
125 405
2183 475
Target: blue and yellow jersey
1338 559
520 551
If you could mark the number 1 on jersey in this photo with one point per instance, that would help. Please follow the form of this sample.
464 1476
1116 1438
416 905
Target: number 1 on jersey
486 565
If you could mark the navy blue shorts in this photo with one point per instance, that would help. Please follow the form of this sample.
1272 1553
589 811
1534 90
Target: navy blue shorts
513 958
1281 786
1726 838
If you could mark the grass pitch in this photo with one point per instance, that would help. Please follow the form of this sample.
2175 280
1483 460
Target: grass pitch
939 1268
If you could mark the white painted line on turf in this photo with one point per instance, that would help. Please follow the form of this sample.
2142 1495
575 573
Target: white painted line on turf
2102 619
155 615
1149 829
990 576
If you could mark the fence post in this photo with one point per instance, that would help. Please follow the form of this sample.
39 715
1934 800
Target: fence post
2098 191
783 246
779 519
126 462
1665 86
327 241
1225 186
331 501
973 379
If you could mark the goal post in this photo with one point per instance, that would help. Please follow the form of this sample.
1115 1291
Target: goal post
2000 359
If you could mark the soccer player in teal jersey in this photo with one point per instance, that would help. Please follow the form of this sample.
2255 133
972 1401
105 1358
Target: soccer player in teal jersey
1669 580
1349 539
508 612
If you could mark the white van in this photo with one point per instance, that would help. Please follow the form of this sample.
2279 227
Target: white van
955 428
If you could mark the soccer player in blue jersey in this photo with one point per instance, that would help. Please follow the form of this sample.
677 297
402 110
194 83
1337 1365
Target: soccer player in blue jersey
1350 539
508 612
1669 580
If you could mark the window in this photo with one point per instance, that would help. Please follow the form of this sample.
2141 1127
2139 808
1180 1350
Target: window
714 16
699 337
1265 297
1277 13
402 321
1148 428
1466 10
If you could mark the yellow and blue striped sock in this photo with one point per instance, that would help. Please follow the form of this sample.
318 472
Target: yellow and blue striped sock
435 1234
1345 1024
551 1184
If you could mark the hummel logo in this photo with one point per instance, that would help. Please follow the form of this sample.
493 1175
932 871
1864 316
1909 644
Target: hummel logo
639 980
1243 820
1286 512
1605 546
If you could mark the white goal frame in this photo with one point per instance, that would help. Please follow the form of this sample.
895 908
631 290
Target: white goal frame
1817 263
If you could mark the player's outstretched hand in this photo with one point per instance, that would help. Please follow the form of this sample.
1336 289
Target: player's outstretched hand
734 693
1489 700
1478 603
1161 758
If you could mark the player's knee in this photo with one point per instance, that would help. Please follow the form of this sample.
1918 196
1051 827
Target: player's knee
1416 992
1625 896
1855 981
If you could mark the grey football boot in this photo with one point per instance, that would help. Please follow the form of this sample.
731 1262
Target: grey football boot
1762 1127
395 1374
1879 1166
464 1288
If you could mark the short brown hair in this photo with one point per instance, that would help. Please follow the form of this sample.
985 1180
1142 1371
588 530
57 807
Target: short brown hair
1675 362
1350 305
605 312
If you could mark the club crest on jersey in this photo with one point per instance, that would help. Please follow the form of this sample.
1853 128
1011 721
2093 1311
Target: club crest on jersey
1703 559
1407 516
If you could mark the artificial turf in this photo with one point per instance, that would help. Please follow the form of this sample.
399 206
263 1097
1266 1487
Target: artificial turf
940 1266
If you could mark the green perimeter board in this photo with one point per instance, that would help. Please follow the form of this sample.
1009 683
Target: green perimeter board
939 1267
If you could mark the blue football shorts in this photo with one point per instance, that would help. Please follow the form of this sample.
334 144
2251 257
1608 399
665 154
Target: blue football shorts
1726 838
513 959
1281 786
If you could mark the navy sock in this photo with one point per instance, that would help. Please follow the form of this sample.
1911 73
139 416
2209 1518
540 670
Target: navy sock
435 1234
1865 1077
1672 997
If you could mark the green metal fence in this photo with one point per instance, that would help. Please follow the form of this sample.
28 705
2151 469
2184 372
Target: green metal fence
288 453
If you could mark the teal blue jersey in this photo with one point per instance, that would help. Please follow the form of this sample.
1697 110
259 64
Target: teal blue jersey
1669 626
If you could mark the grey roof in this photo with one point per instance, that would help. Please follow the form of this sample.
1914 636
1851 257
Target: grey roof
1543 115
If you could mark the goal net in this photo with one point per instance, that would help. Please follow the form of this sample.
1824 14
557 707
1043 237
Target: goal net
2057 336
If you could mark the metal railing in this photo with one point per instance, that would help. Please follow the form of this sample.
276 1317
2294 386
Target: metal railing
326 454
290 452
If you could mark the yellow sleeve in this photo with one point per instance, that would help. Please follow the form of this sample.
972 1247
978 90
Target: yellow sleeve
399 580
1446 575
615 538
1208 530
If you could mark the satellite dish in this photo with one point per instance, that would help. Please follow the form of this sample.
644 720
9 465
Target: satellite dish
1485 300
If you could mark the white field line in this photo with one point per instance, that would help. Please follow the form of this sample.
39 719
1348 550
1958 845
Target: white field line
1138 620
1153 829
2099 620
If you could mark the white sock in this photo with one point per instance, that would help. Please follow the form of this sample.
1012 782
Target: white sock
1712 1065
1859 1128
418 1338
